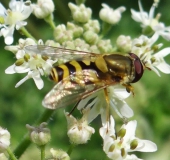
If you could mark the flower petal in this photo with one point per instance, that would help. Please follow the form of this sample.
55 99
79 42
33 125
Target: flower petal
146 146
164 67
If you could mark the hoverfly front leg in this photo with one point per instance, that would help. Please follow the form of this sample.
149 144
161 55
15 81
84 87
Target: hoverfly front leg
129 88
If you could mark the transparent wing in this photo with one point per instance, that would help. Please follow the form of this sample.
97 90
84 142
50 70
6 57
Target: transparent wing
56 52
72 89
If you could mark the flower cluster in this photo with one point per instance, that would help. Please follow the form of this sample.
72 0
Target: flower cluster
78 38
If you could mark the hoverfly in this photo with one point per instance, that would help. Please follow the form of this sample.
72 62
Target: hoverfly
84 73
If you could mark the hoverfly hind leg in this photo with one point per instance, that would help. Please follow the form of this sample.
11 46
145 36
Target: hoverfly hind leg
75 106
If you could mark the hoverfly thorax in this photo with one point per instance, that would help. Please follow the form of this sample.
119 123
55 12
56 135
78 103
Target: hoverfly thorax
127 69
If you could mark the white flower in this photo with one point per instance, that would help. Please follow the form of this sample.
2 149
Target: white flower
39 135
43 8
13 18
4 139
118 145
98 105
61 34
153 59
80 13
109 15
149 23
124 43
3 157
59 154
79 132
35 64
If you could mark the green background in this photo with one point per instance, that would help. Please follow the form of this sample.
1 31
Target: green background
21 106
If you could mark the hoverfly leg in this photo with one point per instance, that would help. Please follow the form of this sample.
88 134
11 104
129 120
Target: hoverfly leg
125 120
129 88
75 106
107 106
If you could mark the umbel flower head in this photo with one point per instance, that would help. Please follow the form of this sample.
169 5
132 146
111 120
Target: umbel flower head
150 53
149 23
117 146
13 18
34 64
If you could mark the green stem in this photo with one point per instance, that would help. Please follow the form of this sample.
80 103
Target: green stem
70 150
42 148
11 154
24 144
105 29
24 31
50 21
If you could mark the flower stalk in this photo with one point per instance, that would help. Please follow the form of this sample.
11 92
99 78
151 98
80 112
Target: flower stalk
11 154
25 32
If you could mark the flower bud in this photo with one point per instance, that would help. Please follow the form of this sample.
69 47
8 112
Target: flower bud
39 135
59 154
52 43
105 46
61 34
80 13
81 45
77 31
92 25
4 139
43 9
109 15
124 43
90 37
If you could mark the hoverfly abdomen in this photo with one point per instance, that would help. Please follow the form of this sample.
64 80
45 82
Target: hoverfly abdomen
76 68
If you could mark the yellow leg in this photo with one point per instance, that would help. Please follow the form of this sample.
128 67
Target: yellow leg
129 88
107 106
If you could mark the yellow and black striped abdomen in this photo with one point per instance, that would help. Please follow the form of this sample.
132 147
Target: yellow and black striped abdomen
62 71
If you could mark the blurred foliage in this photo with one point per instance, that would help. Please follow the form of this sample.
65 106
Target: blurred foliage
151 103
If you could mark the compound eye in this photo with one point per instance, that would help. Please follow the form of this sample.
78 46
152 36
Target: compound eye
138 67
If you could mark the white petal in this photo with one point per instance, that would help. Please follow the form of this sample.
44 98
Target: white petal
154 69
38 81
10 69
9 40
136 15
22 81
132 157
164 52
126 111
164 67
121 108
130 130
146 146
22 69
2 10
121 92
108 129
20 24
